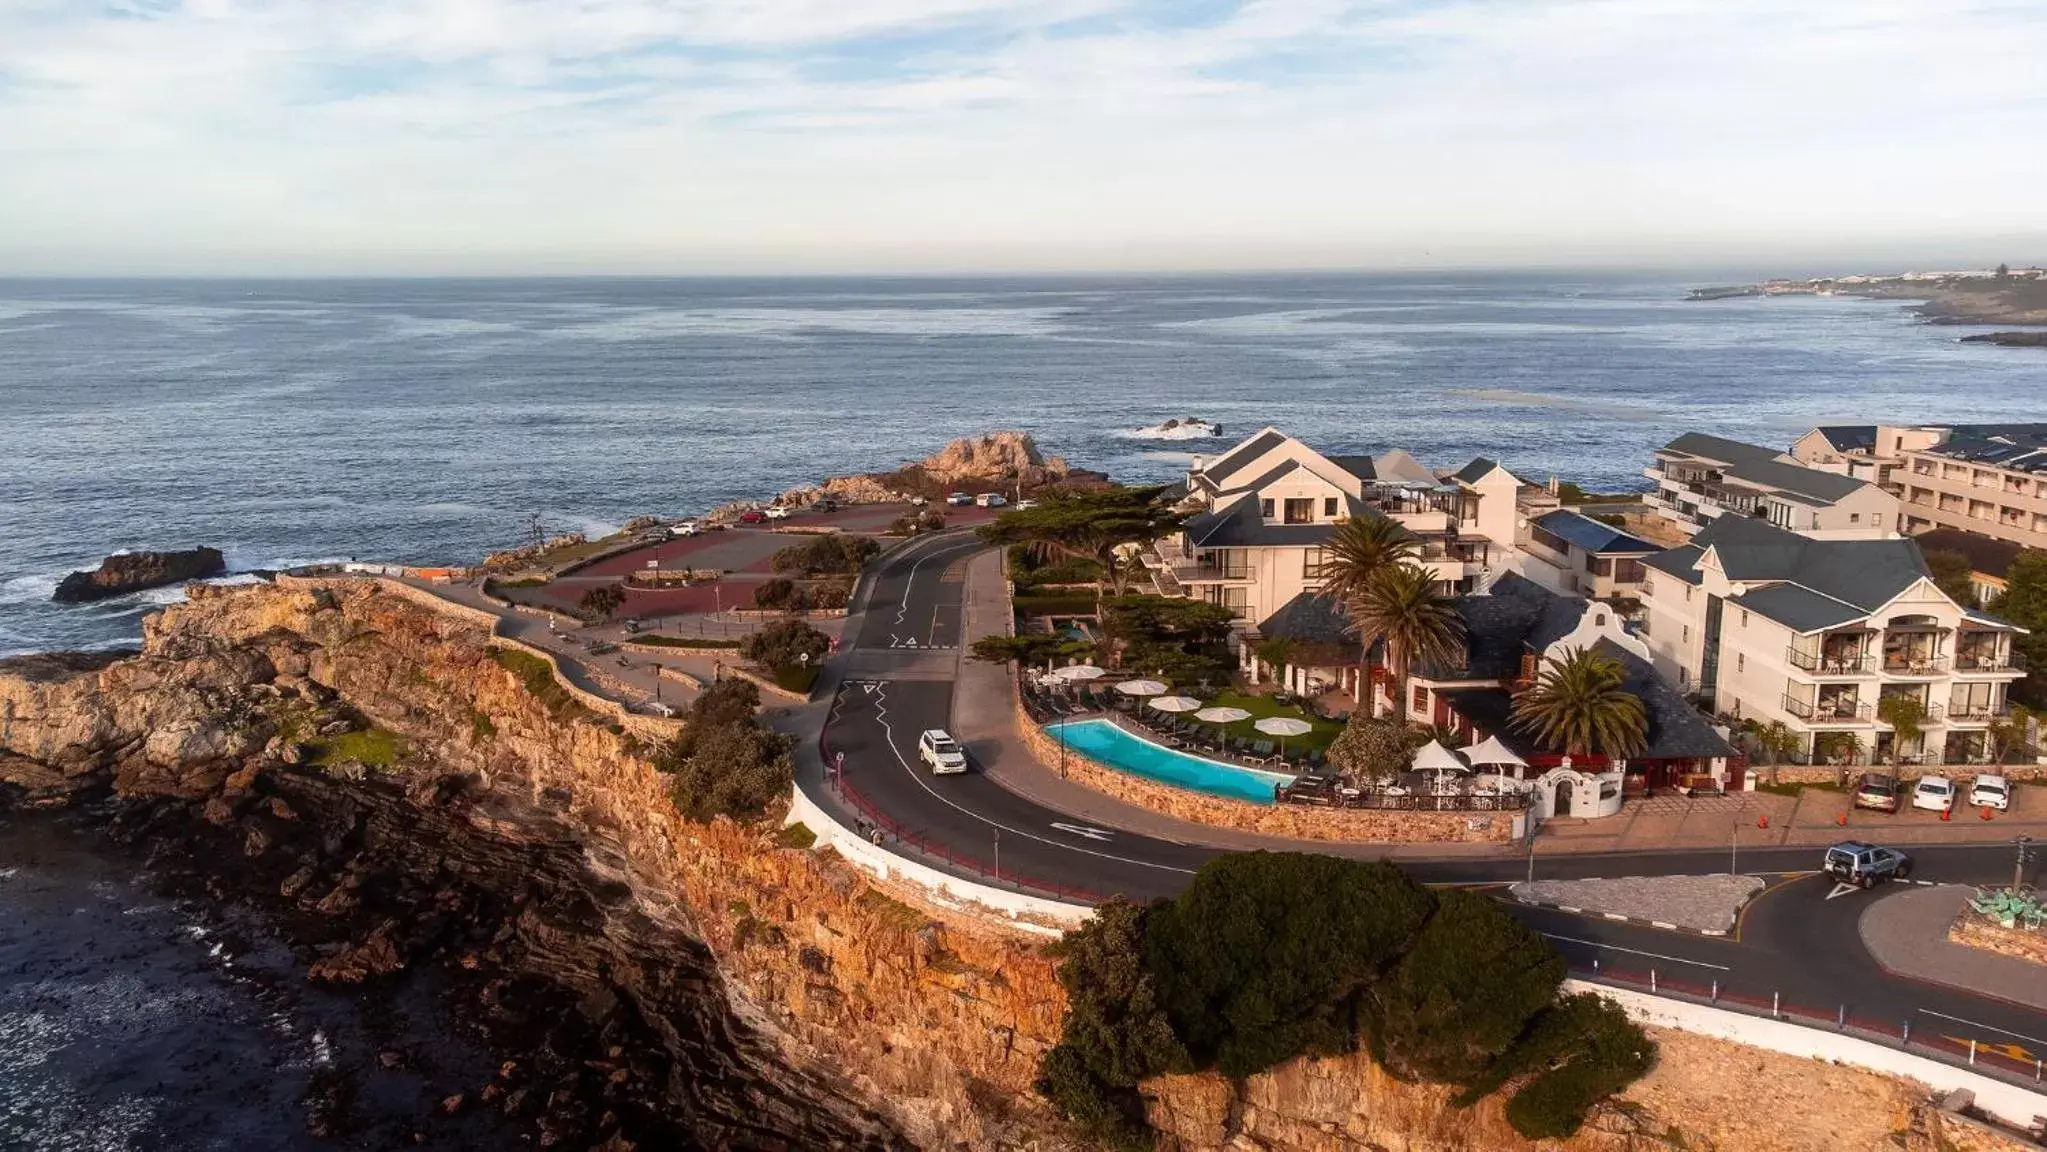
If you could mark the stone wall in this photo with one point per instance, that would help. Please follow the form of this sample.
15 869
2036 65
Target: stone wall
1289 820
1804 774
1978 932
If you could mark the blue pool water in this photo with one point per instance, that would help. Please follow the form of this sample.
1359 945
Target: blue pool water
1134 754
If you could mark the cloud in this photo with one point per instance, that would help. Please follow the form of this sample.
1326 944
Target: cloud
736 135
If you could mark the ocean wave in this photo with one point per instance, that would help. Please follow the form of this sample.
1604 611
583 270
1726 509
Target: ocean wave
1540 400
795 323
1184 430
30 589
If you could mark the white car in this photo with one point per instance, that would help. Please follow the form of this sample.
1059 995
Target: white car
1990 792
990 500
957 499
1934 793
686 528
939 750
1026 505
778 512
918 501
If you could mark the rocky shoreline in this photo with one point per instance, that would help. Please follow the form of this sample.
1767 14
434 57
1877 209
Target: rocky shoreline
2016 297
127 572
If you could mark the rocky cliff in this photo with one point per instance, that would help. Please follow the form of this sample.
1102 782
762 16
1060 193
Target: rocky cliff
128 572
361 763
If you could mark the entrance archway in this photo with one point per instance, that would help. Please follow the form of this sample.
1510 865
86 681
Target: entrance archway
1563 804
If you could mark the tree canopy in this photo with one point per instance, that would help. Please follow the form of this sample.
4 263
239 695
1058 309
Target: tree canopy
1401 608
1580 706
1091 523
784 644
725 762
2024 603
1372 748
1951 574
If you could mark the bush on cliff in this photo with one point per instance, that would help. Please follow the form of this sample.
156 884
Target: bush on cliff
538 678
785 645
1271 956
725 762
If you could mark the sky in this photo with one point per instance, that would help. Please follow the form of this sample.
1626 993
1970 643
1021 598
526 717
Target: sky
308 137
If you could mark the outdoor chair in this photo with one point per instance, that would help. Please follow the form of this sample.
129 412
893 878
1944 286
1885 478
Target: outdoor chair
1317 759
1262 750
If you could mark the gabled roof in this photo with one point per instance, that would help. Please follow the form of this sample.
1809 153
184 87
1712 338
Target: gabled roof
1240 524
1358 466
1867 574
1277 472
1475 471
1501 624
1228 464
1310 618
1799 609
1681 562
1598 537
1986 555
1677 731
1396 466
1849 437
1760 466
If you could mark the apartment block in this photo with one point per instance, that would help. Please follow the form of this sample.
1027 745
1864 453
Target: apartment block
1700 479
1990 479
1766 624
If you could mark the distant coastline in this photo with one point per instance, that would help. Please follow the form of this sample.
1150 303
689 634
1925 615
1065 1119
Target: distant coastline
2008 296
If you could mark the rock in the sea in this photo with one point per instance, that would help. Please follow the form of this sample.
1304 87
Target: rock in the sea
139 571
995 456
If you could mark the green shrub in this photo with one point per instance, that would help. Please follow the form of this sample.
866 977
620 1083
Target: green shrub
601 602
376 748
836 553
786 645
537 676
481 727
1115 1033
796 836
1372 748
780 594
725 762
1581 1050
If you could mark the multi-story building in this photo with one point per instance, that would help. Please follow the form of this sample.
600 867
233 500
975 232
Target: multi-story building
1765 624
1574 555
1990 479
1701 478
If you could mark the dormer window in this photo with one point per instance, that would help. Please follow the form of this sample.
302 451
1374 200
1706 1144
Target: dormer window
1265 508
1300 510
1329 507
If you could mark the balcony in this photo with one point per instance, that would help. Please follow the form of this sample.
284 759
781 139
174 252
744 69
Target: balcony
1908 664
1829 711
1214 574
1822 664
1980 662
1977 713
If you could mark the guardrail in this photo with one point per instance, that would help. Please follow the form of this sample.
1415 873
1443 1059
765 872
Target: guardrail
900 837
1936 1039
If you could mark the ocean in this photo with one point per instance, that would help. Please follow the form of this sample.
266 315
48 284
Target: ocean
428 420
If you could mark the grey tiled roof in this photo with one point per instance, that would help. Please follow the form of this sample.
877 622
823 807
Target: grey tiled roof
1863 574
1986 555
1229 463
1681 562
1799 609
1473 472
1310 618
1358 466
1592 535
2017 446
1240 525
1500 626
1849 437
1677 731
1759 465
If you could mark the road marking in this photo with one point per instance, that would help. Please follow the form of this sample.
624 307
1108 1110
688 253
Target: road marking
1842 888
889 732
1985 1027
1085 830
1634 951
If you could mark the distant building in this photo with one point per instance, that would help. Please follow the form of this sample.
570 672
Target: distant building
1989 560
1573 554
1990 479
1701 478
1766 624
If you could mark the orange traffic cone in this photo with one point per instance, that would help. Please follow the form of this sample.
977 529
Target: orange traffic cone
1947 814
1986 813
1762 819
1842 819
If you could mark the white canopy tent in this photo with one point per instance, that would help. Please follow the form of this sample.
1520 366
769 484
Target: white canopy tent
1433 757
1174 703
1492 752
1141 688
1222 715
1080 672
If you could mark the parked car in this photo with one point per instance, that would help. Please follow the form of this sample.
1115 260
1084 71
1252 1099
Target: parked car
957 499
918 502
778 512
1026 505
826 504
1866 865
990 500
938 749
685 528
1934 793
1990 792
1877 791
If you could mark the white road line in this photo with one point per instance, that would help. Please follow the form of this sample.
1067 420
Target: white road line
881 716
910 582
1985 1027
1635 952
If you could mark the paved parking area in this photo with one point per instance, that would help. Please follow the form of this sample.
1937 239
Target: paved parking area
1765 819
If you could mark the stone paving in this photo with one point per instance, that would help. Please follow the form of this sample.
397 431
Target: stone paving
1700 903
1906 931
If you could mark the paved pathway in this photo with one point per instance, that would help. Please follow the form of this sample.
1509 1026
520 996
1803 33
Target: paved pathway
1907 933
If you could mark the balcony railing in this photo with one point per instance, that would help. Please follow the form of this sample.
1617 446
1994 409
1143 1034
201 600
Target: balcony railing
1977 713
1990 661
1828 711
1859 664
1213 573
1909 665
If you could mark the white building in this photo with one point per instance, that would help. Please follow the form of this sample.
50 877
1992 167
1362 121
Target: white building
1701 478
1766 624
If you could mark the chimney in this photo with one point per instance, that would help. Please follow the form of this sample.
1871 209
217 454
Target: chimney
1195 464
1552 485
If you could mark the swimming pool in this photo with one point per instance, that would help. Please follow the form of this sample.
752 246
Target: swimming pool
1123 750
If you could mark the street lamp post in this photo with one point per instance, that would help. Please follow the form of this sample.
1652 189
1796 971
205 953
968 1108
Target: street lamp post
998 854
2018 868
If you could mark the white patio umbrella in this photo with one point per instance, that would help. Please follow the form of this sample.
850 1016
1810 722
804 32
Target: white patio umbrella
1433 757
1283 727
1492 751
1174 703
1080 672
1141 688
1222 715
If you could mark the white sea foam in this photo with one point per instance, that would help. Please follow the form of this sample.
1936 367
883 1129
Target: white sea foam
29 589
1191 429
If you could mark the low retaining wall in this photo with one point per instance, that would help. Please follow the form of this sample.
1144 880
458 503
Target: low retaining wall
1294 821
1806 774
1978 931
2009 1103
1033 914
646 727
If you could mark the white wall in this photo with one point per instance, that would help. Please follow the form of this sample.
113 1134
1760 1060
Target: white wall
2009 1103
1033 914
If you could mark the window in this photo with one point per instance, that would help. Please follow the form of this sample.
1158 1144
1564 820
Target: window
1421 698
1854 517
1329 506
1688 593
1311 564
1265 508
1740 661
1300 510
1688 634
1744 617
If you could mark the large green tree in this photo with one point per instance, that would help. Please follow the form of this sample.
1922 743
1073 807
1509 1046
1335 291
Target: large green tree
1580 706
1090 523
1400 608
1181 640
1373 749
1358 550
1952 574
725 762
2024 603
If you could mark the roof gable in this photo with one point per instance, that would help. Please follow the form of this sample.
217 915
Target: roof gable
1244 454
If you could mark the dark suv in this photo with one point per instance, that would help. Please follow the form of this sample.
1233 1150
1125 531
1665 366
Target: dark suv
1866 865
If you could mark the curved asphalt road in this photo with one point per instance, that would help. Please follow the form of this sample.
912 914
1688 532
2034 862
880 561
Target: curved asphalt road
897 679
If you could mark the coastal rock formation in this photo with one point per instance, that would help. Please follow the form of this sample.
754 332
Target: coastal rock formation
994 456
126 572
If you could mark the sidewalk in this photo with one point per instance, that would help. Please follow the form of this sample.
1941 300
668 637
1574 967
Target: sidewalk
1907 934
985 719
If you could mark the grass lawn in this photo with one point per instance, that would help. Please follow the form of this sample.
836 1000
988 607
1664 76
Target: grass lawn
1260 707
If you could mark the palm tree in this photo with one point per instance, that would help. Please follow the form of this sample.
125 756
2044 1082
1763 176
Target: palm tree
1580 706
1360 548
1401 608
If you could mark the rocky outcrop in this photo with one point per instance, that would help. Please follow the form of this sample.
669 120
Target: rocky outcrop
126 572
994 456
